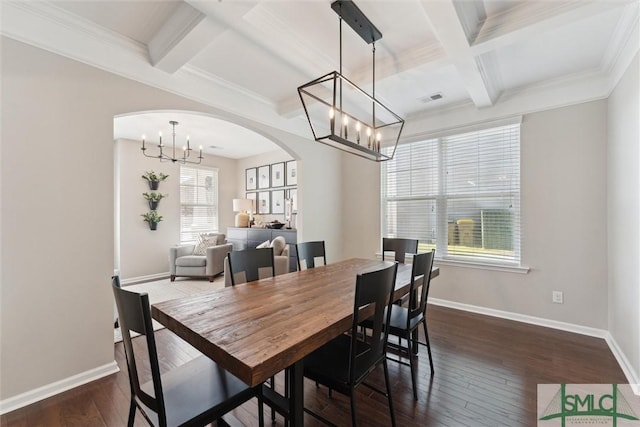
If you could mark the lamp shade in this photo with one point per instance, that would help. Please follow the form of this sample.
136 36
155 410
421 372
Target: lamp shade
242 205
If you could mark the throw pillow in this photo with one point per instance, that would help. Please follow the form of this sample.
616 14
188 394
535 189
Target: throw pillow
278 245
262 245
205 242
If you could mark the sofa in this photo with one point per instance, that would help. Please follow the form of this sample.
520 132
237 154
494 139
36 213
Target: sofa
280 258
202 259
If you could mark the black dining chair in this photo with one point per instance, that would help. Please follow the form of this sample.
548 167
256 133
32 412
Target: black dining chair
251 264
246 266
405 321
194 394
345 362
400 247
307 252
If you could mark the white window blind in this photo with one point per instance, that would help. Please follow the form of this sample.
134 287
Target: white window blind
459 194
198 202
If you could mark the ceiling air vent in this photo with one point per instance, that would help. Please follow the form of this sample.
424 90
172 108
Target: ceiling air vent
430 98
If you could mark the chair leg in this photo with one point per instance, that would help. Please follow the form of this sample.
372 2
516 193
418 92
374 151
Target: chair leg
354 421
132 413
411 347
426 337
260 410
388 384
210 278
173 278
273 411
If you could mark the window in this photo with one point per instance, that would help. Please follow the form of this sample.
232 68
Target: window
198 202
459 194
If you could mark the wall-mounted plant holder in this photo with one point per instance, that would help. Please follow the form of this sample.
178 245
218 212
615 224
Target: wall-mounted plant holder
153 219
154 199
154 179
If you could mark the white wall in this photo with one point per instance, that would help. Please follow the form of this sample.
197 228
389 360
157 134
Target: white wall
57 222
563 184
623 204
144 252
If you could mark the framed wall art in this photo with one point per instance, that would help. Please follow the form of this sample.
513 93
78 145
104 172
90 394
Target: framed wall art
254 198
264 202
277 175
263 177
277 201
251 181
292 194
292 173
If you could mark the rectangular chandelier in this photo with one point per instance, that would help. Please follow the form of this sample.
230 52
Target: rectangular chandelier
343 115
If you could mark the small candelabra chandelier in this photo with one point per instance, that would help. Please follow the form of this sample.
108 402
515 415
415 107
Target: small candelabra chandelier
164 157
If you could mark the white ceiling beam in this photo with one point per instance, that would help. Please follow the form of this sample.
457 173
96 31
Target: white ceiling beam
186 33
527 20
450 31
431 56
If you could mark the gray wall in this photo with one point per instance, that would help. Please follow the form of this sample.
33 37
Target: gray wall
563 184
57 213
623 204
57 222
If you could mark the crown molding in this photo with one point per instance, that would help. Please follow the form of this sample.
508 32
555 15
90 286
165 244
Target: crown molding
26 21
558 93
528 19
623 45
46 26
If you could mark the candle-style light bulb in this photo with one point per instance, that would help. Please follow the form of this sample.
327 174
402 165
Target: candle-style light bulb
358 132
188 148
201 151
378 138
345 121
143 138
160 135
332 120
368 137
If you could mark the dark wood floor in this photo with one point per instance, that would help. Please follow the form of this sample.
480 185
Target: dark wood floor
487 370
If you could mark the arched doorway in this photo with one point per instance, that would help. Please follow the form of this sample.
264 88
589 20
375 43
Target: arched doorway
229 148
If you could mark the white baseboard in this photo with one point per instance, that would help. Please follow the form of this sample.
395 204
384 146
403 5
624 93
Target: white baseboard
40 393
632 377
563 326
142 279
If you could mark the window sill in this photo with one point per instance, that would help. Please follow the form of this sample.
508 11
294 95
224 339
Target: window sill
509 268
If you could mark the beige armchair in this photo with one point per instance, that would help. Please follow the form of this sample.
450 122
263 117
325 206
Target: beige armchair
203 259
281 260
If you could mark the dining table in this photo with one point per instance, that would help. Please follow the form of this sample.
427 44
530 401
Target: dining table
258 329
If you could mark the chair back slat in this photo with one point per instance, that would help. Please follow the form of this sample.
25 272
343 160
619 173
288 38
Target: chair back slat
251 264
134 315
375 289
308 252
420 278
401 247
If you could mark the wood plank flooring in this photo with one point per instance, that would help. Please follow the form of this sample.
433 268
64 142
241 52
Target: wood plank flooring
486 374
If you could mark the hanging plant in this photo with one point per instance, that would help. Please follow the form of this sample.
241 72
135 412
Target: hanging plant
154 179
154 198
152 218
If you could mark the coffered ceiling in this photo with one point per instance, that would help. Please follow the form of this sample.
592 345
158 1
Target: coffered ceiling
249 57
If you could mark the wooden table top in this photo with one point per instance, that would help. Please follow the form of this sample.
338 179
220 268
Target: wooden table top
257 329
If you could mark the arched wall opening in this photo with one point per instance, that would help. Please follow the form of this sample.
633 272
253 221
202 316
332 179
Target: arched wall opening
141 254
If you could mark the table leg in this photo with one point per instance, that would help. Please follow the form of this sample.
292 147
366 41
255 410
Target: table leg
296 396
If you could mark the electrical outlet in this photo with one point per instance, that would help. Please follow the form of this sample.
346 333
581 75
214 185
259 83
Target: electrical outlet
557 297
